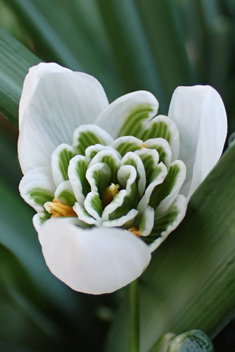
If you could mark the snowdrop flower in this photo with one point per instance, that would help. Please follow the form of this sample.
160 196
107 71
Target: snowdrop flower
109 182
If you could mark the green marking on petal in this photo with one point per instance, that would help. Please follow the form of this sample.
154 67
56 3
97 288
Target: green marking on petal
134 121
162 153
99 177
150 160
111 158
127 144
134 160
64 159
86 139
157 129
163 149
87 135
67 198
44 217
166 187
127 176
146 221
80 170
163 223
97 204
40 196
124 148
93 206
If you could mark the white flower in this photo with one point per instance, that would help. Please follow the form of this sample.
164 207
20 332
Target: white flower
108 182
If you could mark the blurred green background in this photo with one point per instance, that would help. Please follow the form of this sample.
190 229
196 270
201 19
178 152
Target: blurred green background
128 45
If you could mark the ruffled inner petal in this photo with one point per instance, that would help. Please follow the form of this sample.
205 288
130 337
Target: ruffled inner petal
37 187
127 115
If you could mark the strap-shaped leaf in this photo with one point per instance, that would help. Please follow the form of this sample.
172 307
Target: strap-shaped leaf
15 61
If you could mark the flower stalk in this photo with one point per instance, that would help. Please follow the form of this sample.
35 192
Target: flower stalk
134 317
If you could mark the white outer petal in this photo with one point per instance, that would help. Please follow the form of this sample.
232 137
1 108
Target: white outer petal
112 118
96 261
201 119
54 102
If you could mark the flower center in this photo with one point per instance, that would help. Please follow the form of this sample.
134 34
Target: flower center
109 194
57 209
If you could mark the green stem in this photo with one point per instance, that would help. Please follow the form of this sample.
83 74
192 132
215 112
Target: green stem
134 317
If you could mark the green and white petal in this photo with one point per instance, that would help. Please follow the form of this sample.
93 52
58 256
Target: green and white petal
77 177
60 159
127 198
146 221
127 175
91 151
96 261
99 177
111 158
164 195
37 187
93 205
201 119
111 208
159 176
163 149
150 159
166 223
87 135
127 115
64 194
134 160
39 219
127 144
57 96
123 220
84 216
162 126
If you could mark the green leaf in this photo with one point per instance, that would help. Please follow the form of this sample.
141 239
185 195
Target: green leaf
190 281
62 33
162 24
15 61
18 235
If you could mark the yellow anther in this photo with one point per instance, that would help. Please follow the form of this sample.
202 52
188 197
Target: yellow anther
57 209
144 145
135 231
109 194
